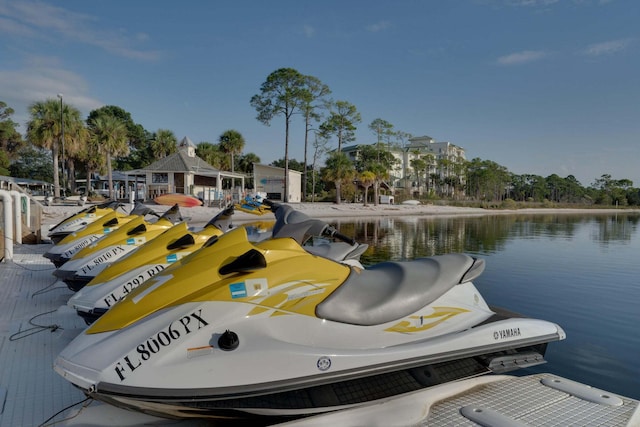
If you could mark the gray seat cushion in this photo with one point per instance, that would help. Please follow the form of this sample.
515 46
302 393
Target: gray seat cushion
392 290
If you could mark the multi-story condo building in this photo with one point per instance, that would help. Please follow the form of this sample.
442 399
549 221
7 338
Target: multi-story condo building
441 170
423 166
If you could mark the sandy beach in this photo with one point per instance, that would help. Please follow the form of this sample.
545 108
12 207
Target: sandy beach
199 216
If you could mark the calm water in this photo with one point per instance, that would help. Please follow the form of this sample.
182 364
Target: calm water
582 272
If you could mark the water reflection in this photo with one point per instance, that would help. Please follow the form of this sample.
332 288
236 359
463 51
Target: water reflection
619 229
402 238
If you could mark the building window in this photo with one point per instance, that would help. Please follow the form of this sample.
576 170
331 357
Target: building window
160 178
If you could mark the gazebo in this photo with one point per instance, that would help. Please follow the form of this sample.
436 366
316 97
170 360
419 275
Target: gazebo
185 173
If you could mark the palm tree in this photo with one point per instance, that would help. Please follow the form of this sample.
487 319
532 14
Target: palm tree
367 178
164 143
246 161
430 160
381 172
45 129
232 143
211 154
111 134
419 165
245 164
93 159
338 169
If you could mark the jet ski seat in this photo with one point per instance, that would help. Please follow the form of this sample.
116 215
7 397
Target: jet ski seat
391 290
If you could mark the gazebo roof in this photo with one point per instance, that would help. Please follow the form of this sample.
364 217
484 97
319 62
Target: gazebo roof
185 160
182 162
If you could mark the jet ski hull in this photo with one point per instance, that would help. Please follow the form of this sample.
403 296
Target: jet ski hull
62 253
287 379
305 401
92 301
76 273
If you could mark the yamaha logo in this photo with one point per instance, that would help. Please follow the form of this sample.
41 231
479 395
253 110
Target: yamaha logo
324 363
506 334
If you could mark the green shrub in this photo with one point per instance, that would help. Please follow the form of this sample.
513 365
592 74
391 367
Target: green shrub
509 204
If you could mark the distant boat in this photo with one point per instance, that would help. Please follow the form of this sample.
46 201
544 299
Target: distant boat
183 200
411 202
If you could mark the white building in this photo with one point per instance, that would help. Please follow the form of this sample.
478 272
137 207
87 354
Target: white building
443 165
443 161
269 181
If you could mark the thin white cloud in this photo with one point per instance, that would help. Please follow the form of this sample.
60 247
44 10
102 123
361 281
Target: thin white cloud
378 26
607 48
43 78
539 5
530 3
13 28
35 19
523 57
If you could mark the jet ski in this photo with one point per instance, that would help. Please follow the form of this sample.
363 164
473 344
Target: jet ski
120 278
78 220
268 329
85 264
85 236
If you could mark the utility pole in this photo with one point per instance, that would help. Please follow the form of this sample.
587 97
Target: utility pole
62 143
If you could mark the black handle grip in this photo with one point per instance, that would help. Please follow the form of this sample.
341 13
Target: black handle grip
346 239
336 234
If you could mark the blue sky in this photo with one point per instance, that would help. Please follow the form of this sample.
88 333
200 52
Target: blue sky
538 86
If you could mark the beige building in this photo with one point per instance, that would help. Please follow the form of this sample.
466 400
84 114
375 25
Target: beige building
443 165
269 181
186 173
444 162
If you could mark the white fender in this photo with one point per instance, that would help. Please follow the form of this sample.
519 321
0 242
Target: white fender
7 203
17 218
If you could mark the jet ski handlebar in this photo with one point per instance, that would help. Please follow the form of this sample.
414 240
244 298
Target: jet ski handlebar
296 224
332 232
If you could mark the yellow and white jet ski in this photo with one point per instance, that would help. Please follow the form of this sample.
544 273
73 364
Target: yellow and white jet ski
85 264
248 329
85 236
120 278
80 219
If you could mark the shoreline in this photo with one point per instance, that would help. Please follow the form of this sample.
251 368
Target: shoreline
200 215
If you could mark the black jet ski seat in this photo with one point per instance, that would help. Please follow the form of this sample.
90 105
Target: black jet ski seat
391 290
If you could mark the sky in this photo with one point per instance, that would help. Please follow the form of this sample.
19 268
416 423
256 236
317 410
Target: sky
538 86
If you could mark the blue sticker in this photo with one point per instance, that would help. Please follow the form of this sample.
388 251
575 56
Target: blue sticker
172 258
238 290
131 241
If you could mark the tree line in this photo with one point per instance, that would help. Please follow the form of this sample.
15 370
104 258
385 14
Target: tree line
109 139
